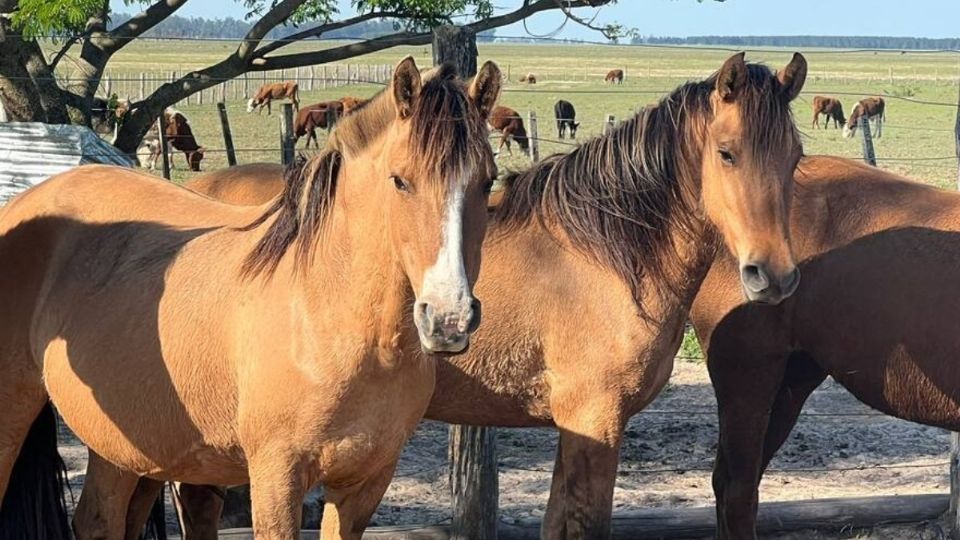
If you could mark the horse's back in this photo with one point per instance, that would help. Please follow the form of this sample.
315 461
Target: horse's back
246 185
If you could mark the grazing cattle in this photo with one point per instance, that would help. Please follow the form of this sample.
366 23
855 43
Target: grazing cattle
529 78
270 92
315 116
614 76
831 108
873 108
508 122
179 136
566 117
351 104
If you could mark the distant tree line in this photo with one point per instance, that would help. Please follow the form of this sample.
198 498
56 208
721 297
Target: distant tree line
844 42
230 28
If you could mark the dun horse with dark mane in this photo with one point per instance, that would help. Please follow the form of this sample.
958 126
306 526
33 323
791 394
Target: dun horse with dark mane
624 228
182 338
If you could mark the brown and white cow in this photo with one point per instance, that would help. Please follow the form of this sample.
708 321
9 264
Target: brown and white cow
529 78
319 115
270 92
508 122
614 76
873 108
179 136
831 108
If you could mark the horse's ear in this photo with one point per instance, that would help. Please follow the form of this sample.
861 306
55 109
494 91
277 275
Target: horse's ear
485 88
792 77
732 77
406 86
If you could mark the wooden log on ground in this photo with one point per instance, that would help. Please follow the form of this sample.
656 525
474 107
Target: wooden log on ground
822 514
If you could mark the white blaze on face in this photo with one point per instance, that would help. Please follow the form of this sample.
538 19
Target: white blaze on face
250 105
445 283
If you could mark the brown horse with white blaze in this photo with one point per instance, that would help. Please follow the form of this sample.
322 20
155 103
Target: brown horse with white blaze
624 228
307 313
879 311
873 108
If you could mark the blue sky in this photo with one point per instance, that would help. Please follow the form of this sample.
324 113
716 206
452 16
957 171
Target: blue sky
915 18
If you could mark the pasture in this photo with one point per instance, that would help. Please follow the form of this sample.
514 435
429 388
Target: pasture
917 140
669 449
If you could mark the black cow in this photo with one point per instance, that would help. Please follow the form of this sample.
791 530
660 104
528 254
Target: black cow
566 118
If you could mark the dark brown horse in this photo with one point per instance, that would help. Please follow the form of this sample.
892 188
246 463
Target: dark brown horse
879 311
510 125
874 108
829 107
612 241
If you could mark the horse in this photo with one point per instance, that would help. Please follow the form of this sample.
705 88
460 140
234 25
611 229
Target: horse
175 334
251 184
269 92
613 241
510 125
831 108
873 108
566 117
614 76
351 103
879 311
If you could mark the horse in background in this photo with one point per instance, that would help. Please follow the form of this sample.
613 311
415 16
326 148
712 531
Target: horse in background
178 277
566 116
829 107
878 311
873 108
510 125
529 78
269 92
614 76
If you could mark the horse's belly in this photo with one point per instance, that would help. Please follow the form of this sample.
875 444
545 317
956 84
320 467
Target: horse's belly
137 424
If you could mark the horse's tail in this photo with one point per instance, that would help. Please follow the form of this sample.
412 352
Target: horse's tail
156 528
35 505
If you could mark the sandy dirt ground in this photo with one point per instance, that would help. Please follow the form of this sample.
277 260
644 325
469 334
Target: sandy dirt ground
667 455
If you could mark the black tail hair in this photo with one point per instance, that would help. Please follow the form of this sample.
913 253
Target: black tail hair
35 505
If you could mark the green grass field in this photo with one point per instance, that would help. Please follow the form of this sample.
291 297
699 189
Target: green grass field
913 132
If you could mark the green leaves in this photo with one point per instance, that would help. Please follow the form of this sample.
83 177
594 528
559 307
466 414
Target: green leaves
39 18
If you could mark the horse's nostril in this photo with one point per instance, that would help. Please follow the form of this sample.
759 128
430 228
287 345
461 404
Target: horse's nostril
754 277
476 310
790 282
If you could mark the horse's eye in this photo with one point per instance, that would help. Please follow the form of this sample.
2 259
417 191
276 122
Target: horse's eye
487 187
726 156
400 184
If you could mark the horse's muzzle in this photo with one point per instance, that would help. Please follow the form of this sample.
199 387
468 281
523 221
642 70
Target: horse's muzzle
446 331
763 286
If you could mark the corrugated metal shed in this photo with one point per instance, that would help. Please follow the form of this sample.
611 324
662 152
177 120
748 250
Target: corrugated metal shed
32 152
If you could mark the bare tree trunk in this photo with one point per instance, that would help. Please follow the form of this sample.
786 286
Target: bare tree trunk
18 94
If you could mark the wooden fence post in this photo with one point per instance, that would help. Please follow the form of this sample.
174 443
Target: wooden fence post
955 437
162 140
143 86
286 134
534 137
472 449
868 154
227 135
246 86
474 483
609 124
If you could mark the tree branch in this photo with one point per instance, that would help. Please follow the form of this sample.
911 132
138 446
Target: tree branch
322 29
529 8
63 50
275 16
120 36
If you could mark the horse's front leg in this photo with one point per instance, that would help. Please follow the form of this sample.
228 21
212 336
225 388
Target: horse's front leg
101 513
200 509
590 435
278 483
347 510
